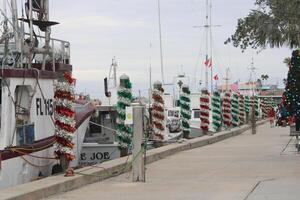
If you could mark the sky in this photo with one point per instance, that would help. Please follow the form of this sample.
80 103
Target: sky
128 29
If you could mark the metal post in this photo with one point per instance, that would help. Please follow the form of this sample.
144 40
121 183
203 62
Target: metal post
138 162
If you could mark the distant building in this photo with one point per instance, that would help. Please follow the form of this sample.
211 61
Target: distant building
263 91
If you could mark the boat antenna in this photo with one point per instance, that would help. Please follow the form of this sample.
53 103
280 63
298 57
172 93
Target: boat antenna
113 73
160 44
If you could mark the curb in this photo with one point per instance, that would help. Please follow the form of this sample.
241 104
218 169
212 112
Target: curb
58 184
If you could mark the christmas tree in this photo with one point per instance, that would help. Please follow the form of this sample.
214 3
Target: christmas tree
291 94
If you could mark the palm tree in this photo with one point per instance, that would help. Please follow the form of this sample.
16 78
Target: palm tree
264 77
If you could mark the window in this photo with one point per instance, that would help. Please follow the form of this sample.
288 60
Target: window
25 134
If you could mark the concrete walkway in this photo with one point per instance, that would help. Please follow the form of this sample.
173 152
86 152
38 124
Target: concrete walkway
243 167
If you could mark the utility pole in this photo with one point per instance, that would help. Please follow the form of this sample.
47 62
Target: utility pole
251 81
161 49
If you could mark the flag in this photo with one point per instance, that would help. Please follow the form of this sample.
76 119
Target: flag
206 62
210 64
216 77
234 87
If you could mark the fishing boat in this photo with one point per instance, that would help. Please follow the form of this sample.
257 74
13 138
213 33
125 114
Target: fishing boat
30 66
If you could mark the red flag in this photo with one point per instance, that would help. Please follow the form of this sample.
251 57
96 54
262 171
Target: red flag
210 64
216 77
206 62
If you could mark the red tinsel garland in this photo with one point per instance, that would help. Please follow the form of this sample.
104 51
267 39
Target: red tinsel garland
64 126
64 95
64 111
64 142
158 98
68 156
69 77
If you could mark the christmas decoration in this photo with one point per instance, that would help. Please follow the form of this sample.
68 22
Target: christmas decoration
241 109
226 109
158 114
185 110
264 108
216 111
256 106
247 105
204 110
235 109
124 134
291 95
64 117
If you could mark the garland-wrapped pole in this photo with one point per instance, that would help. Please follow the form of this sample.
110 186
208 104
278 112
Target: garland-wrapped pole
64 116
264 108
256 106
204 111
235 109
247 108
124 134
216 111
226 109
158 114
185 110
241 109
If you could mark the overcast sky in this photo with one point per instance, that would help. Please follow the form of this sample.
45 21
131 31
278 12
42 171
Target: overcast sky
101 29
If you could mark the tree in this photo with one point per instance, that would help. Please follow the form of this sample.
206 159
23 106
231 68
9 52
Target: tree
291 94
274 23
264 77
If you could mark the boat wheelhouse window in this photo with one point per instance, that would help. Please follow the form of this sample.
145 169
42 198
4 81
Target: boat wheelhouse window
25 134
24 127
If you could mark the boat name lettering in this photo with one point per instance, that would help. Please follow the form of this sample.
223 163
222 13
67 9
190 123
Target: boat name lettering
96 156
44 106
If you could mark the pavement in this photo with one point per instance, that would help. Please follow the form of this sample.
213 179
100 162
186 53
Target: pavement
264 166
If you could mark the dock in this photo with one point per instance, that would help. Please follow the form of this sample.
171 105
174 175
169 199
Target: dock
260 166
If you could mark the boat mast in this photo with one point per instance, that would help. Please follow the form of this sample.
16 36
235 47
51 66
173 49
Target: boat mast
207 28
252 74
5 34
211 53
160 43
208 38
227 79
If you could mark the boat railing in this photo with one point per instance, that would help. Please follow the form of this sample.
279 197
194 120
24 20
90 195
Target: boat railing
58 52
60 49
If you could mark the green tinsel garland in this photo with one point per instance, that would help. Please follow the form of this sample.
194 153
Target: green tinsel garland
235 109
185 110
247 104
256 106
241 109
216 111
124 135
